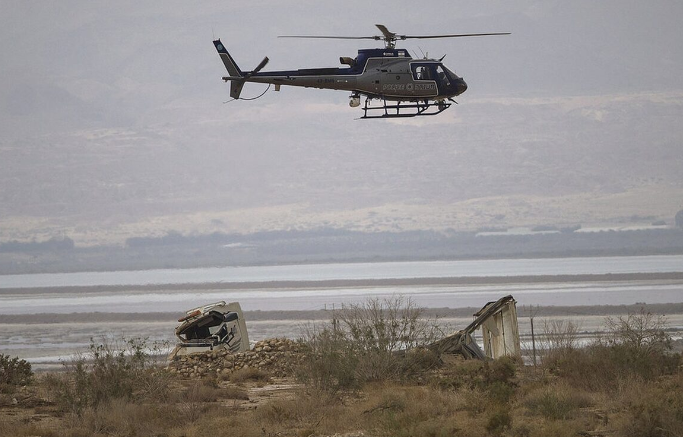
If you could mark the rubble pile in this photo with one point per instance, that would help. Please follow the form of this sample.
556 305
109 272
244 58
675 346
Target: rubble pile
276 356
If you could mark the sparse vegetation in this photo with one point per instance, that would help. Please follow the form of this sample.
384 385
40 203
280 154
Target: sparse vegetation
109 372
628 383
379 340
14 372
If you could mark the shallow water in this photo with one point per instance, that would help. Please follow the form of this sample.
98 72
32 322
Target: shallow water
350 271
430 296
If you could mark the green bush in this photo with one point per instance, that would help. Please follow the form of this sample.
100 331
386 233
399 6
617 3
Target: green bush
14 371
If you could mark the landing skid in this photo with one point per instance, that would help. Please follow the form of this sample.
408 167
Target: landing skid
411 109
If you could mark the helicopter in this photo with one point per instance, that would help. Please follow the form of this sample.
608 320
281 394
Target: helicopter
406 87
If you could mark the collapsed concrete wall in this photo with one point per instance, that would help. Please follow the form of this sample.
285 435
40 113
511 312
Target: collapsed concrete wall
500 332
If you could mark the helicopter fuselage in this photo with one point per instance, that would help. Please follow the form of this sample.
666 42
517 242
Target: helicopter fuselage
389 74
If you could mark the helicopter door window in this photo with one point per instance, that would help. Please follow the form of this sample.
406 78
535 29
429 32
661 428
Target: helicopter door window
421 72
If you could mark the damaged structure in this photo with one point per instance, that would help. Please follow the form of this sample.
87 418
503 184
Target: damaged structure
216 326
500 332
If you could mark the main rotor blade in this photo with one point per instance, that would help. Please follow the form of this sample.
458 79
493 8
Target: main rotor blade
457 35
330 37
390 38
387 34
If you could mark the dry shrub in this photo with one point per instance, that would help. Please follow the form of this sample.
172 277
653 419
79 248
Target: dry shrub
386 325
378 340
555 429
249 374
329 363
394 410
499 420
557 402
233 392
218 420
205 390
120 417
313 411
201 391
218 423
652 409
386 409
110 371
643 332
16 429
485 383
14 372
558 339
636 346
195 400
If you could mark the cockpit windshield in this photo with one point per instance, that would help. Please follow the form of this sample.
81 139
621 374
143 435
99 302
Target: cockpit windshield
447 74
443 76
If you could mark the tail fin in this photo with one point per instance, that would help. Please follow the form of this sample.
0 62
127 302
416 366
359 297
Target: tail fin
230 64
236 75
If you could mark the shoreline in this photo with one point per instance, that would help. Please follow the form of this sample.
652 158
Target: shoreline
335 283
283 315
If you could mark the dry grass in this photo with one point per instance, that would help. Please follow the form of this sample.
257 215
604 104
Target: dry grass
531 405
249 374
557 401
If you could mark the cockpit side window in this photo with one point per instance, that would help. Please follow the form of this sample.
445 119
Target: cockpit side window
421 72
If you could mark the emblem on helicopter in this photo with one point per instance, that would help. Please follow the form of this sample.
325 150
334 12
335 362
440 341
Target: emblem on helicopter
405 87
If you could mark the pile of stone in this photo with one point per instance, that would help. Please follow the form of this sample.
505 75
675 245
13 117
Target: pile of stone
276 357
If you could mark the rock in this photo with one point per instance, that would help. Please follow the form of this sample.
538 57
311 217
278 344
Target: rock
277 356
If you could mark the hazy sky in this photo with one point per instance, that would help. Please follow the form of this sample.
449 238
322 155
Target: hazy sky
119 96
107 63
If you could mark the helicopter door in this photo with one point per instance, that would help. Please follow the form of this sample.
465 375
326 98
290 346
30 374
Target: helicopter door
425 79
372 76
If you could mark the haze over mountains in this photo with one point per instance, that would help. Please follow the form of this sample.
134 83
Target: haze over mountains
113 122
